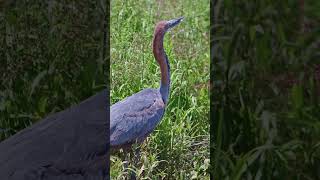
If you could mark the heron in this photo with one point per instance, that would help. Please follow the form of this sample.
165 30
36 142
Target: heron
71 145
135 117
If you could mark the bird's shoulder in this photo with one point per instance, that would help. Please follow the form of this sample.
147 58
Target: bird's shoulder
139 102
141 106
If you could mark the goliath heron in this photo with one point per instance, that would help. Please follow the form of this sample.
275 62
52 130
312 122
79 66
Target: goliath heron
69 145
135 117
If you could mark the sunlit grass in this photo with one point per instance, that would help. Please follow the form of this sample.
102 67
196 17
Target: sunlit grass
178 148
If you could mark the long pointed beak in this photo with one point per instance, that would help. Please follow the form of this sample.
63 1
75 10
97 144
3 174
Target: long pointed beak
174 22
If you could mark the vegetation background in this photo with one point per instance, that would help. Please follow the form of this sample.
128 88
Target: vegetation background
179 147
266 86
53 55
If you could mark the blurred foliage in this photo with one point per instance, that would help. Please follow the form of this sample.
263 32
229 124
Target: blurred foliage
266 87
178 148
52 55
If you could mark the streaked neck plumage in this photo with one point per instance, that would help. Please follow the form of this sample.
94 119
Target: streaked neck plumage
161 57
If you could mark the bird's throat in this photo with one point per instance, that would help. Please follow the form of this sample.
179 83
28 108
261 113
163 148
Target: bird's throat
161 57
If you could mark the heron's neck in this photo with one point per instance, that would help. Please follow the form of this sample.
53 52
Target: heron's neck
162 59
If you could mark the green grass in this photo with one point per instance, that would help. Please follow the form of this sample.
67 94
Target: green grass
49 60
178 148
265 101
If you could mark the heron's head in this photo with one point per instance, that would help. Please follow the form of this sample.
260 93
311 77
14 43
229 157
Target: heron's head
173 22
164 26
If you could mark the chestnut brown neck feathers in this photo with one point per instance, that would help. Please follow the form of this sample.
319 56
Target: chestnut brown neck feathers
161 57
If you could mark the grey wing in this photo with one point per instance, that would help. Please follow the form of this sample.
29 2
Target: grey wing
67 145
135 117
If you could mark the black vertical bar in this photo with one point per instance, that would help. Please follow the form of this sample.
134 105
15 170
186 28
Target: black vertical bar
106 57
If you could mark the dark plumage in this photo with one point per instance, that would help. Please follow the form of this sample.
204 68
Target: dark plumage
71 144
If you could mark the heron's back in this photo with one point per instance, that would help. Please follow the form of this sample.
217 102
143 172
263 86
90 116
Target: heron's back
60 146
135 117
